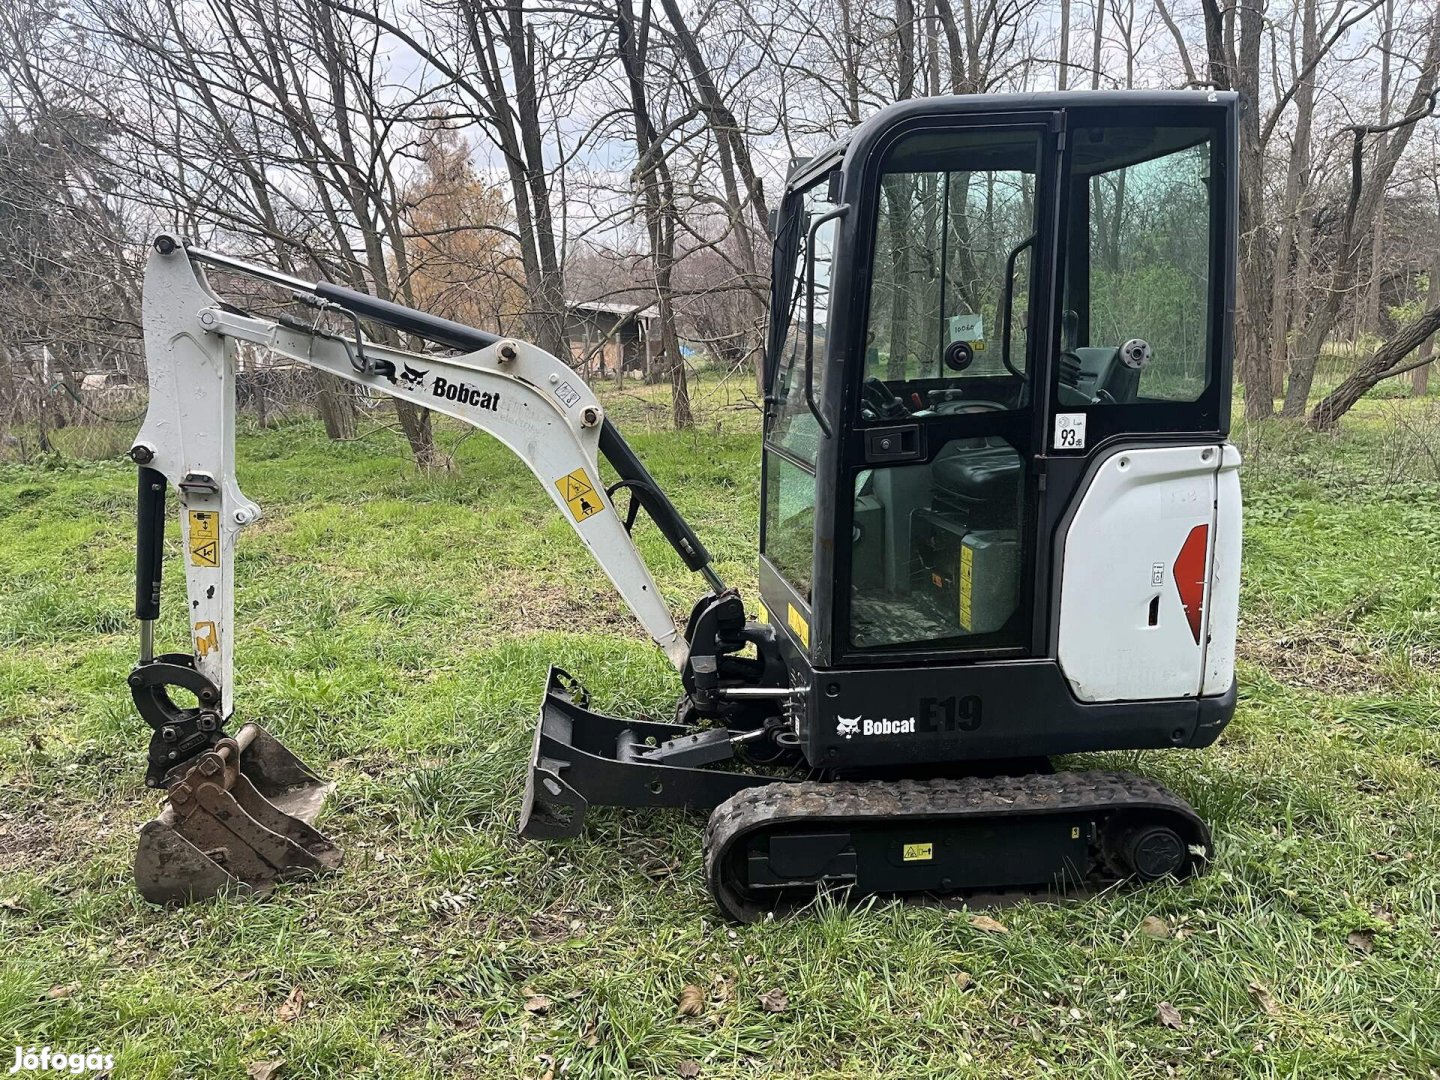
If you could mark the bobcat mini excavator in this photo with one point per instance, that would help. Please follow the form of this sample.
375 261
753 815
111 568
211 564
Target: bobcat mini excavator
1001 522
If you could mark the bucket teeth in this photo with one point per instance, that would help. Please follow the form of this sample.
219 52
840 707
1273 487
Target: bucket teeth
240 817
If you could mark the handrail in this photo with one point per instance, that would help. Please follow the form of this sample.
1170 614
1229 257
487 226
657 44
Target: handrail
839 211
1029 241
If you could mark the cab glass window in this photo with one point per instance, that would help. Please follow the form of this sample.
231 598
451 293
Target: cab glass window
794 427
951 272
790 521
1136 324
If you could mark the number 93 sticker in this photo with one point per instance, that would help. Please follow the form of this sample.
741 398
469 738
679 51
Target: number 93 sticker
1070 431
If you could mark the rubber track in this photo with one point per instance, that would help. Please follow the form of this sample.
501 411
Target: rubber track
776 805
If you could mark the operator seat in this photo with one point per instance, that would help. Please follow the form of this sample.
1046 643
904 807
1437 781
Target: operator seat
979 481
980 473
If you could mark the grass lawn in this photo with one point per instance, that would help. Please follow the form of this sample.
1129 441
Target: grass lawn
395 629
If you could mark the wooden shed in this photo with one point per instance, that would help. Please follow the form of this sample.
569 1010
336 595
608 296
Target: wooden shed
608 338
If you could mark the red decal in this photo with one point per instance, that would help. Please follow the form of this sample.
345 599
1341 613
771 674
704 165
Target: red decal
1189 573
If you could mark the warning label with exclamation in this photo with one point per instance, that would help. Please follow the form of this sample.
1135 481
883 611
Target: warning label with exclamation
204 538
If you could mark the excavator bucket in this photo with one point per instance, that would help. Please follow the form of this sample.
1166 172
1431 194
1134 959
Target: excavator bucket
241 816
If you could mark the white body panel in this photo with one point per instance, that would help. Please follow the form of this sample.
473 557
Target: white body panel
1222 607
531 402
1125 633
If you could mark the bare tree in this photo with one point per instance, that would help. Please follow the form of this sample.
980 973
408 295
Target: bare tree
654 178
1362 208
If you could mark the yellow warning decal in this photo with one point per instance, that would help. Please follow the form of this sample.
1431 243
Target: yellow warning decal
579 494
918 852
204 538
967 574
1074 832
799 625
763 615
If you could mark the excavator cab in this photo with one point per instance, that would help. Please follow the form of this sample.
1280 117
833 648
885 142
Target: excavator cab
998 391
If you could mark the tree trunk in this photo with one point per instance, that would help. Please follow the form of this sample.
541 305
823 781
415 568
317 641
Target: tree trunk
1098 44
1286 289
1420 381
415 422
898 226
735 159
1236 66
335 402
658 200
905 48
1382 365
1368 311
1062 68
1256 267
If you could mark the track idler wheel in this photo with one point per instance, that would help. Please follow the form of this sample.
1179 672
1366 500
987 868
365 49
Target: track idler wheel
1150 852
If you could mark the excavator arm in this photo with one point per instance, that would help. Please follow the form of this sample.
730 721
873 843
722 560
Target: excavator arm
240 807
520 394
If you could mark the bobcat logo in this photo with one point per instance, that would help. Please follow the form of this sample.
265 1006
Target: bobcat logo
410 379
848 726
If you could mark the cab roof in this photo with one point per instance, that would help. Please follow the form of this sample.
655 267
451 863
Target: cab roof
863 135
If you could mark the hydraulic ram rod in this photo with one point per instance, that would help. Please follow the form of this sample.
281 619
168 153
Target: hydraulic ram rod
420 323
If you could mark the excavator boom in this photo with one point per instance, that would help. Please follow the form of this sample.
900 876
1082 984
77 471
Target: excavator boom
512 390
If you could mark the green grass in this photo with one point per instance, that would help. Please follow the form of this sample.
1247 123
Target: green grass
395 629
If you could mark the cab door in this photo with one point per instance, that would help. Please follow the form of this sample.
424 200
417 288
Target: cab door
938 489
798 443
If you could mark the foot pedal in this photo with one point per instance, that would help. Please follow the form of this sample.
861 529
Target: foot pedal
241 815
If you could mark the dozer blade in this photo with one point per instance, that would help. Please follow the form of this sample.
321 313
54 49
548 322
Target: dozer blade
240 816
581 759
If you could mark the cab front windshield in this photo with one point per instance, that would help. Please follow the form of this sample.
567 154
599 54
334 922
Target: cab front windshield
950 302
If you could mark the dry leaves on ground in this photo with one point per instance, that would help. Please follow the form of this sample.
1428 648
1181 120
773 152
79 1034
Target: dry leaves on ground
657 868
1169 1015
264 1070
55 993
692 1001
989 925
537 1004
291 1008
1363 940
1263 999
963 980
688 1069
1154 926
774 1001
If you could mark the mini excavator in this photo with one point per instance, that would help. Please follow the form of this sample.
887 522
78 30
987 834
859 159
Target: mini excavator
1000 522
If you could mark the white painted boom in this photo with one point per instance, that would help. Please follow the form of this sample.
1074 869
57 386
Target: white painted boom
521 395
